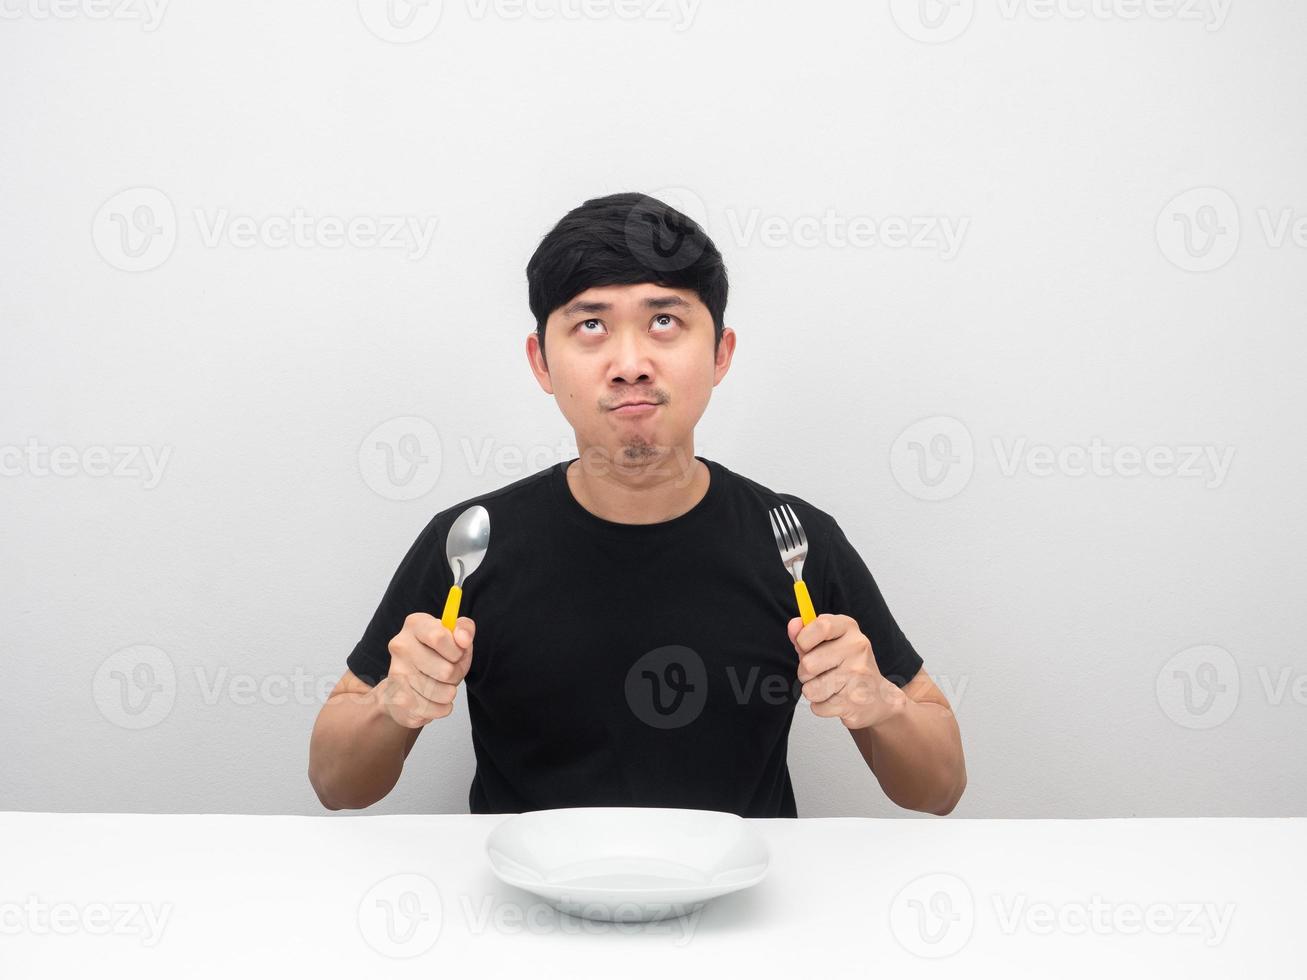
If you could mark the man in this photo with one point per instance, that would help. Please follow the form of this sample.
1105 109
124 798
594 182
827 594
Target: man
635 630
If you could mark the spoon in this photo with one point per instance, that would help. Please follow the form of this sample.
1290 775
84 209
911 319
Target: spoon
465 546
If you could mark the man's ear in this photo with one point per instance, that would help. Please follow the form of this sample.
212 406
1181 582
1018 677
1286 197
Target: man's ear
722 355
535 356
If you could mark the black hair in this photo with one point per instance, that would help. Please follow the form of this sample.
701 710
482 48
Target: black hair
620 240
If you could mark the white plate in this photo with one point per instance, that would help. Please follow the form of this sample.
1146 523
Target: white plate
627 864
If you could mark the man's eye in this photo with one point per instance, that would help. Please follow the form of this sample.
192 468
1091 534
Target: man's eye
667 320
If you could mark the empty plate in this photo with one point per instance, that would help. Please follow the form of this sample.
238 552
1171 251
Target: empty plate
627 864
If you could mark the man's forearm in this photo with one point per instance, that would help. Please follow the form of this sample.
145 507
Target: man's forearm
916 755
357 751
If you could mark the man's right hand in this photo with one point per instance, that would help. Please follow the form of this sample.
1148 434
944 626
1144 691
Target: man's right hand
427 663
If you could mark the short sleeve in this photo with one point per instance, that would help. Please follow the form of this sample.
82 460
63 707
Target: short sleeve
847 587
420 584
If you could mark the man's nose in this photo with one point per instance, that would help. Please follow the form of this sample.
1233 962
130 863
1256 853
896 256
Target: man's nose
631 360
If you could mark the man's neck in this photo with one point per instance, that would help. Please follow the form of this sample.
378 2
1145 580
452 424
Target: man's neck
647 493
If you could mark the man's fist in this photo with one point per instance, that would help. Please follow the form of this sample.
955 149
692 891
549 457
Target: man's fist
427 662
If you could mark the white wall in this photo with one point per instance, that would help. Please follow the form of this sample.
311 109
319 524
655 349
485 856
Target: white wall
1065 152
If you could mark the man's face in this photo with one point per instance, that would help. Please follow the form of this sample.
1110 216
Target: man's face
615 344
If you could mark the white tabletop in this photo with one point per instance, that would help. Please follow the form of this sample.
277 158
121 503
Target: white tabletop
143 895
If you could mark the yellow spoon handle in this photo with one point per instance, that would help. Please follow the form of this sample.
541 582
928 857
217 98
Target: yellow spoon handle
450 616
805 603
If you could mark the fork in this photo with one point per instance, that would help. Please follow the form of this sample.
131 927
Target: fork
793 545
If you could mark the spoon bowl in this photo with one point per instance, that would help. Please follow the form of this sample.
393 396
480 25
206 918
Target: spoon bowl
465 547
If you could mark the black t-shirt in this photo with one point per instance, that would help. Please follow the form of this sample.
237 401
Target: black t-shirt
634 664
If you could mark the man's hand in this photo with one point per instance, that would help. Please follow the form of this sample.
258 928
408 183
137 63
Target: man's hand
427 663
839 674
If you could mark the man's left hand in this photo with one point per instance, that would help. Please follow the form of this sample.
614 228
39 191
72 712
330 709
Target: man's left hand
837 668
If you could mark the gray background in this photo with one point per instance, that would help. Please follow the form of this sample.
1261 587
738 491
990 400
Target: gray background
1119 640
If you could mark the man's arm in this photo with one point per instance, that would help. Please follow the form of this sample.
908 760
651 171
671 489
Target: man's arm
357 750
916 753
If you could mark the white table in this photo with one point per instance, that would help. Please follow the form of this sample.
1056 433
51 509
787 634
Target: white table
142 895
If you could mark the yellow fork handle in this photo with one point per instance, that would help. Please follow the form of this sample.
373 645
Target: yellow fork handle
805 603
450 616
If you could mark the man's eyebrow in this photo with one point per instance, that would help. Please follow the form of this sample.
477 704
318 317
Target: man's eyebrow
649 303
